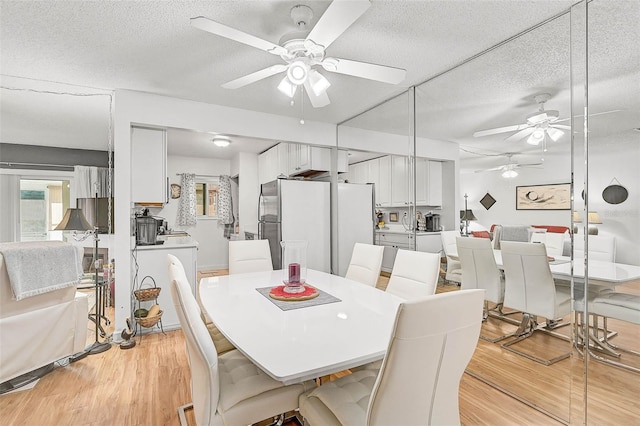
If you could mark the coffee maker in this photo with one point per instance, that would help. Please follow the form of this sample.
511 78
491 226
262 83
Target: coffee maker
433 222
148 228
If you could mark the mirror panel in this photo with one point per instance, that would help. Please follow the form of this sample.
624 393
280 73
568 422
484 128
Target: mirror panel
612 152
379 146
506 86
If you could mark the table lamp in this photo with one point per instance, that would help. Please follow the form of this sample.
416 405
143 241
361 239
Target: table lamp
593 219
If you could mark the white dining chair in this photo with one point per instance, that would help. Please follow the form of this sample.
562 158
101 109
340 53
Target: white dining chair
479 270
226 389
419 379
454 269
601 247
553 242
365 264
249 256
530 288
415 274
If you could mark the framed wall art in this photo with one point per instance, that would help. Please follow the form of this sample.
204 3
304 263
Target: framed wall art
393 216
544 197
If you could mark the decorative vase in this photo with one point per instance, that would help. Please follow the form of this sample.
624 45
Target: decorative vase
294 264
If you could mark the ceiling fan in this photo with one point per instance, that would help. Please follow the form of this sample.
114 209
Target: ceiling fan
509 169
303 50
539 127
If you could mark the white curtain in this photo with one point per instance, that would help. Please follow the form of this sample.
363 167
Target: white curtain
187 206
89 180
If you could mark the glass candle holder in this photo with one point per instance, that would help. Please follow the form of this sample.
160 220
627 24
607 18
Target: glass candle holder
294 265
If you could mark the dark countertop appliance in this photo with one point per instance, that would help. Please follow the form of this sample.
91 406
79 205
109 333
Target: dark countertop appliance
147 230
432 222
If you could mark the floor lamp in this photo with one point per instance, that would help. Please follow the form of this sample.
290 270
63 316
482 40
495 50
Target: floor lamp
74 220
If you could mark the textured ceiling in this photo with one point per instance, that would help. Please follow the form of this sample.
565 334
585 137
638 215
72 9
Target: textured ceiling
87 47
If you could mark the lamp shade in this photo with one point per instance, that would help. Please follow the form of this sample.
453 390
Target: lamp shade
576 217
593 217
73 220
468 216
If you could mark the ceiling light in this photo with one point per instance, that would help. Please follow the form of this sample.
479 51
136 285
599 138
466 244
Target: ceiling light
319 84
536 137
509 172
220 141
287 88
554 133
298 72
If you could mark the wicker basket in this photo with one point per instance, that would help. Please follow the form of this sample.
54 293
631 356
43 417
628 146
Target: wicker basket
149 321
145 294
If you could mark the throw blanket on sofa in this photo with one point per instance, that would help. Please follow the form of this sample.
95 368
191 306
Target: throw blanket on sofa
40 266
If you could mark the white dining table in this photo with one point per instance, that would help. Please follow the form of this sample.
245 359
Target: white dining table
305 343
599 272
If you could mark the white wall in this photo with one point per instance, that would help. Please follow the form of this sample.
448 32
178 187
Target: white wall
249 191
143 108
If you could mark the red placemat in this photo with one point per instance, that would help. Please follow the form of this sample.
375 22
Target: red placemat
278 293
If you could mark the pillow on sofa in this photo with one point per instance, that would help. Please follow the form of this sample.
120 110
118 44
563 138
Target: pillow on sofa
481 234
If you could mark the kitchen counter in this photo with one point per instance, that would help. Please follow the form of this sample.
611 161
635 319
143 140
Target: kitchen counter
171 243
400 231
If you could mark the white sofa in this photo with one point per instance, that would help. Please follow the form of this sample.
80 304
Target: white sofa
40 329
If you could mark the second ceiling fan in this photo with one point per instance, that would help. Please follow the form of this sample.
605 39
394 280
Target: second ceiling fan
302 50
539 126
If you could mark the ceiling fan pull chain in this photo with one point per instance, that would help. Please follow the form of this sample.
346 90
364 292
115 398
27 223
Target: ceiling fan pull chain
301 104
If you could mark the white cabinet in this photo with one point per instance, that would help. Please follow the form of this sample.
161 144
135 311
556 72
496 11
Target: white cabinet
152 261
305 160
392 242
373 173
149 182
431 243
359 172
435 184
383 194
428 182
273 162
399 181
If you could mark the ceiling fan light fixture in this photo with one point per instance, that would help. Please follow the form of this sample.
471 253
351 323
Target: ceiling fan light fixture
509 173
287 88
298 72
221 141
536 137
554 133
319 84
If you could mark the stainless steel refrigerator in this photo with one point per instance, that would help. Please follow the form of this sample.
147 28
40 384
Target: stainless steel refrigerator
297 210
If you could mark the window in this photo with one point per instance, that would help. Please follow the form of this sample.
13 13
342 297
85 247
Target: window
42 206
207 193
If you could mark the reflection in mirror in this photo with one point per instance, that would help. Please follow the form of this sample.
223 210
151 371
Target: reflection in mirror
471 105
612 156
374 201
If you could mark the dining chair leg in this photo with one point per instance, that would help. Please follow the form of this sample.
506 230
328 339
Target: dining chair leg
527 327
606 337
181 414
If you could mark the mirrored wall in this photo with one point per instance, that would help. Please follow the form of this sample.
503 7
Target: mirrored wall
504 138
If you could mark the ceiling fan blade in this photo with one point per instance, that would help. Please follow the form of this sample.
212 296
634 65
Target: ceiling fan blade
318 101
382 73
336 19
497 130
520 134
222 30
590 115
528 165
560 126
255 76
493 169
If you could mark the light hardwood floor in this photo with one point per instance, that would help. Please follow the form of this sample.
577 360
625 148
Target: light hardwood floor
146 384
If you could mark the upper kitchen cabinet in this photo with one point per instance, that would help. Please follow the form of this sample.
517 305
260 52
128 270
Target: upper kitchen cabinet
273 163
149 181
306 160
428 182
399 181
